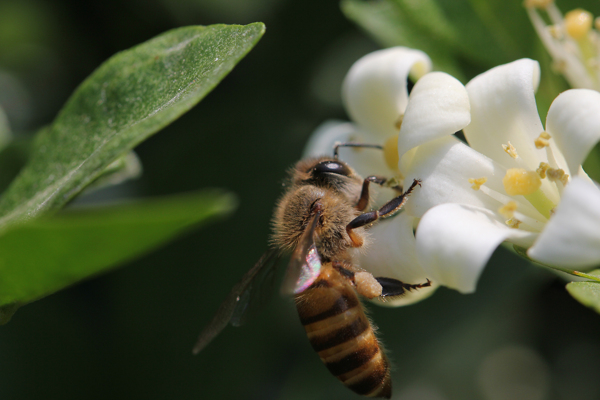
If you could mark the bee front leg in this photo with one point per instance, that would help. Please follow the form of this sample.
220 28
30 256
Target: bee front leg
388 209
363 201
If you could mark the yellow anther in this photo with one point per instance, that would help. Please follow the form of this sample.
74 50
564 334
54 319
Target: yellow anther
476 183
556 32
578 23
398 123
390 152
542 4
597 23
513 223
555 175
510 150
541 171
542 140
540 143
508 210
519 181
559 66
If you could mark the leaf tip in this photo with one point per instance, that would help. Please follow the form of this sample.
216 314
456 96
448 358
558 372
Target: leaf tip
7 311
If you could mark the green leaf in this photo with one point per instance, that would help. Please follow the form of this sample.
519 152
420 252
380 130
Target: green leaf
587 293
5 133
126 167
129 97
460 36
522 251
47 254
391 26
13 158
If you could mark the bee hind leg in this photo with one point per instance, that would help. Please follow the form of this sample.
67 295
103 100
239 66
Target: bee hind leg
393 287
364 282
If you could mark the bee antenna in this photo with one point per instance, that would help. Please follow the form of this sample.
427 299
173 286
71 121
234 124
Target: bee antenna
337 145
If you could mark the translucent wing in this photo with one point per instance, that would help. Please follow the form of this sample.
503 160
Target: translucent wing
242 298
305 263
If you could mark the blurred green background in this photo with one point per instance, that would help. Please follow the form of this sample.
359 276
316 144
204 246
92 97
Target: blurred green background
129 334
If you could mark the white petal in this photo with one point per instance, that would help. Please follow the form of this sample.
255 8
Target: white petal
364 161
444 167
455 241
438 106
574 123
503 109
375 92
326 135
572 236
391 253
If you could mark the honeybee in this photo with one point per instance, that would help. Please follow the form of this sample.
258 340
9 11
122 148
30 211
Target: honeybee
319 220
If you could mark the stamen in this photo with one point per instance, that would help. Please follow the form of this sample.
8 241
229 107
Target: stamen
556 32
536 216
398 123
578 23
554 13
476 183
508 210
519 181
390 152
541 4
513 223
542 140
541 171
559 66
597 23
510 150
557 175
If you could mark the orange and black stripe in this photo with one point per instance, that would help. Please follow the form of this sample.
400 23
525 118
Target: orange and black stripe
341 334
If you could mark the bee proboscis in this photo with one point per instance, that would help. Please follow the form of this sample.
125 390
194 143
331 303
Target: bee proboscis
319 219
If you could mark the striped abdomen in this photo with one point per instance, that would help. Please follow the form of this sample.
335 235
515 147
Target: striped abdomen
341 334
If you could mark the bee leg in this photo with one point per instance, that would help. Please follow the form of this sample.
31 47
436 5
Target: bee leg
343 269
387 210
363 201
393 287
364 282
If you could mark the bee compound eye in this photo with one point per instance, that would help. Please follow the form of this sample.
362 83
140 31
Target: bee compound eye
331 167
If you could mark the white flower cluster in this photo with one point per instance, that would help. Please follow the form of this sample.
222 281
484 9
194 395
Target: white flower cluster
515 180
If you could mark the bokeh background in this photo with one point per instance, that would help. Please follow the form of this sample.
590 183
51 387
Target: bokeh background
128 334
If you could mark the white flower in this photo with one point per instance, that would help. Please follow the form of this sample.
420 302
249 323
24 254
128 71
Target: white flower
375 93
516 182
572 42
531 188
